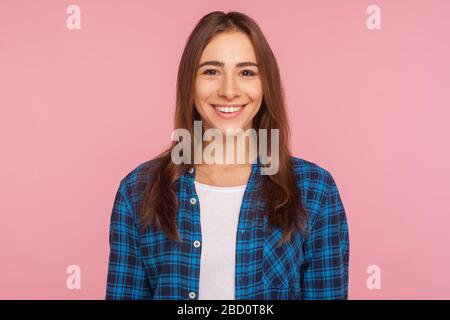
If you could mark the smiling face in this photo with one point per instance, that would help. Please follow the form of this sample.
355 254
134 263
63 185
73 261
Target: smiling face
228 90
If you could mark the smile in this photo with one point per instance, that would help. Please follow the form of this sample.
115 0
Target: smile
229 111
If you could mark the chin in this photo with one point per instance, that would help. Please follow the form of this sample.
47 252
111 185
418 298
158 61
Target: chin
232 128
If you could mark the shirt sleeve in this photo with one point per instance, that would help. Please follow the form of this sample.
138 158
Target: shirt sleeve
127 278
326 251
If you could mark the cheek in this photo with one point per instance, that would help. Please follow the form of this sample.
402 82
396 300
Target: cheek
203 90
199 98
255 109
254 91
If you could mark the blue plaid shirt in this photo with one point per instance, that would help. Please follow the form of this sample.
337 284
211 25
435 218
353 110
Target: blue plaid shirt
149 266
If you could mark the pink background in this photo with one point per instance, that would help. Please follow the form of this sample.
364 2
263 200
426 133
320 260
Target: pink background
81 108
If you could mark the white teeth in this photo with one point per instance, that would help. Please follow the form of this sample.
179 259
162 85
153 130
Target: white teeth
228 109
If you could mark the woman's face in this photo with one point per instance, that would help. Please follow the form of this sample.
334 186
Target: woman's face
228 91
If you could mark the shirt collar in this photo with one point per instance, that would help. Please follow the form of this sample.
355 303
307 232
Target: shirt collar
256 170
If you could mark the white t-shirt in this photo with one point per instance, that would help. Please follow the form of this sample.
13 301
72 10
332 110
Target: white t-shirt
219 214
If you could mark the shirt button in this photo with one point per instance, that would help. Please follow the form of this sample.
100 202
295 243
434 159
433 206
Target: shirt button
191 170
193 201
192 295
196 243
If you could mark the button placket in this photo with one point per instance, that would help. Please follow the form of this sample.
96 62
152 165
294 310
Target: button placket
193 200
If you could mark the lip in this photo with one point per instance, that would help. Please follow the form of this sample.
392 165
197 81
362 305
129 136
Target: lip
228 115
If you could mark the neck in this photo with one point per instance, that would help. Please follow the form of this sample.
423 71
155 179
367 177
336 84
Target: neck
230 172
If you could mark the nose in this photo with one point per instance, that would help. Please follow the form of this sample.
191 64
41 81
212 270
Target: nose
229 87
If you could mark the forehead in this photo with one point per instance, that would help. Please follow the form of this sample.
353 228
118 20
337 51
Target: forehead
229 47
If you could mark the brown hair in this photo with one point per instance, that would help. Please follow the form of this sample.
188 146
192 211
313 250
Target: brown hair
159 206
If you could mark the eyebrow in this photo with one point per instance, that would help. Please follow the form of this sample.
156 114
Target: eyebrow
221 64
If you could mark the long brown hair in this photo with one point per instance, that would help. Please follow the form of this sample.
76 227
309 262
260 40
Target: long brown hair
159 206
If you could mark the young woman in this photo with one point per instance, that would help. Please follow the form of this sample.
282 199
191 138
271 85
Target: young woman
196 230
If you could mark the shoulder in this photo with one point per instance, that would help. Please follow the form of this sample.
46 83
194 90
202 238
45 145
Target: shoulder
134 181
310 173
138 172
314 182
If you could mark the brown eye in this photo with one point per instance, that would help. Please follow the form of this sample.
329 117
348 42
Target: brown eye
249 73
208 72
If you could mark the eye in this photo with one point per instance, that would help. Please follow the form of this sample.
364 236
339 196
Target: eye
250 73
208 72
